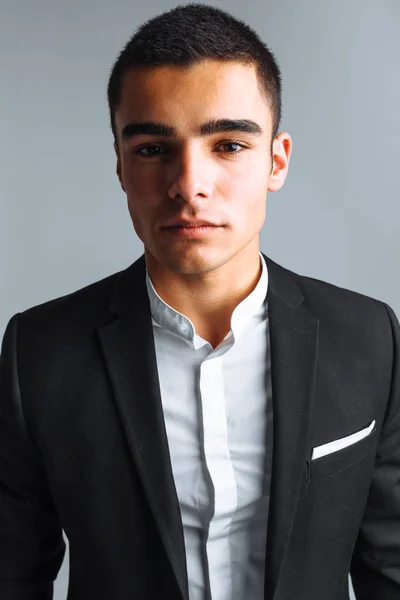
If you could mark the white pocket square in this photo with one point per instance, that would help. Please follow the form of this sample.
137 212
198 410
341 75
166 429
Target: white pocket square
336 445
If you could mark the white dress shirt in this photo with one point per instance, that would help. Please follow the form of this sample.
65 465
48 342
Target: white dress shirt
214 403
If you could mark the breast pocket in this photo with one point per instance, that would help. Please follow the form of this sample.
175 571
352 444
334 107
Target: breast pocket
340 454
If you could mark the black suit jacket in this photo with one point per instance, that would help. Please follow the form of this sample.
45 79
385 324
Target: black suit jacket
83 447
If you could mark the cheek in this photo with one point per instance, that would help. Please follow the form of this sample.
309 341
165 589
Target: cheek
142 192
247 195
139 181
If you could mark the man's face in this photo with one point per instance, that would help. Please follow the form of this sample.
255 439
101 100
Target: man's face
222 177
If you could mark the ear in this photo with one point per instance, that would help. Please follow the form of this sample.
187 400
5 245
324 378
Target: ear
281 151
118 169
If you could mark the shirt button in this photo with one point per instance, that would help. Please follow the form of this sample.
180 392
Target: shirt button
182 328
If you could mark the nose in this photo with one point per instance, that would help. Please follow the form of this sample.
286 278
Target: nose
191 175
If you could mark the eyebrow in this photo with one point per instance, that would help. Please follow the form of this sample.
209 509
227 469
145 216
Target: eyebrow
211 127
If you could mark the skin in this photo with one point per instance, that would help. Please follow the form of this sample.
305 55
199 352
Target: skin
207 177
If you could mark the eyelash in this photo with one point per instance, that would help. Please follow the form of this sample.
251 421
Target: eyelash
138 150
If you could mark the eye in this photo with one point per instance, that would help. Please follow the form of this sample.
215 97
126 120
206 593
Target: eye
151 148
242 146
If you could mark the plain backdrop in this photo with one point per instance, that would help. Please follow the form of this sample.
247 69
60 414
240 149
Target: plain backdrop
64 221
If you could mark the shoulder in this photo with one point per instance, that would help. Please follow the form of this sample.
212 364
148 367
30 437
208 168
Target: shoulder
59 331
321 293
325 295
69 315
341 310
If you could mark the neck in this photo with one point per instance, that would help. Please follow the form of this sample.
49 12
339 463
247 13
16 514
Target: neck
208 298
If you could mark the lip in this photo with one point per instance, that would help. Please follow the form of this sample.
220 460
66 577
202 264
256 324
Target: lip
188 223
192 232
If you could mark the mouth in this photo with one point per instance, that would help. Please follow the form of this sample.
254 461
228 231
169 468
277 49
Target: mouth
192 231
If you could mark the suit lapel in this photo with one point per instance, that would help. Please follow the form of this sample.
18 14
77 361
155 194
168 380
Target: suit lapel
128 348
294 354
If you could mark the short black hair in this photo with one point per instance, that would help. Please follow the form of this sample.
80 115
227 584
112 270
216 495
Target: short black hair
188 34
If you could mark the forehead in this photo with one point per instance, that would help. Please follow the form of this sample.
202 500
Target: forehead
188 95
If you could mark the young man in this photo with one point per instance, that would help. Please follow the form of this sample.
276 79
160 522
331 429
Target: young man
205 423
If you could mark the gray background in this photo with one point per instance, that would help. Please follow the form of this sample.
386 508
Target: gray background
64 222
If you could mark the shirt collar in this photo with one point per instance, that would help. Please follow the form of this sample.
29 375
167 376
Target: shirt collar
165 316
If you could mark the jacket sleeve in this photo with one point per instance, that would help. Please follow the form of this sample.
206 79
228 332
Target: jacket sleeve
375 568
31 543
